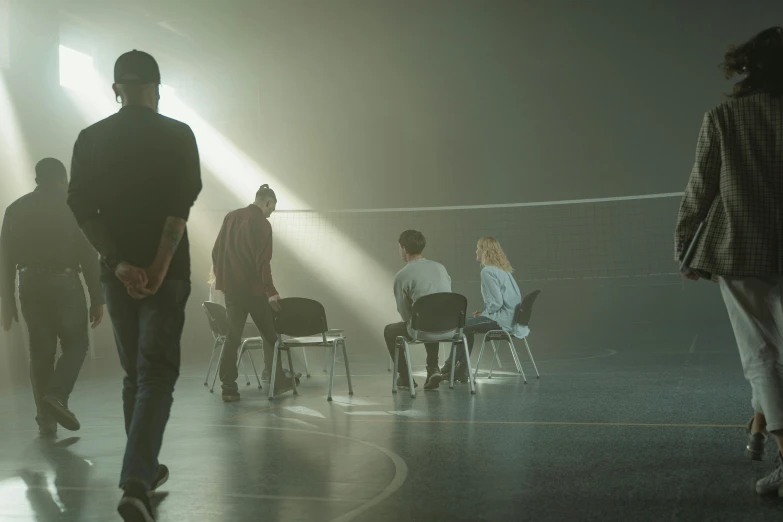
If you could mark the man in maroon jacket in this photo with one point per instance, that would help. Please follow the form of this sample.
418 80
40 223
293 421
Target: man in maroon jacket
241 257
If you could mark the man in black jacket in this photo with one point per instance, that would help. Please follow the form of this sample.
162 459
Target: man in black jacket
134 178
41 240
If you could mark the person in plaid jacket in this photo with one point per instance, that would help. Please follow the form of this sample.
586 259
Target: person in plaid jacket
736 189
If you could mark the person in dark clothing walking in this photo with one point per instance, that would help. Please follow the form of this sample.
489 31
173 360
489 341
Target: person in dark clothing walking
41 240
241 258
134 179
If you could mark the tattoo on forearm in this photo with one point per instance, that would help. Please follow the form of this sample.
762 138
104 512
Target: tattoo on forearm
98 236
173 231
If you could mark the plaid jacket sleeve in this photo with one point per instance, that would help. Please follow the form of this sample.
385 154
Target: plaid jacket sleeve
703 185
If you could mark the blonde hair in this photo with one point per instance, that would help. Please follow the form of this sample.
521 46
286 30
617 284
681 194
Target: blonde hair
492 254
211 278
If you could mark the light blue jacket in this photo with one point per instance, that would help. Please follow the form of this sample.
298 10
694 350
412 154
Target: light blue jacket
501 297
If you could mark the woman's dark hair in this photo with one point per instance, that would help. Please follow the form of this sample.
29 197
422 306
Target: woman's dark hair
413 242
760 60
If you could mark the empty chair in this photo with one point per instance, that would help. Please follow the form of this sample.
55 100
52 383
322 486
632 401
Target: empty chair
218 324
522 319
302 323
441 312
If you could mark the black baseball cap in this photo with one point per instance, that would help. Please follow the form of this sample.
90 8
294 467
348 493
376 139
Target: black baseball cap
136 68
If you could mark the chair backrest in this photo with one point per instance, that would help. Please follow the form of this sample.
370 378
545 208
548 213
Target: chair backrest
300 317
524 309
218 320
439 312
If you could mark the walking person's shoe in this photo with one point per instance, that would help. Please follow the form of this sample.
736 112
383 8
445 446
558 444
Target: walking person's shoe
231 395
58 409
772 483
433 378
135 505
161 478
757 443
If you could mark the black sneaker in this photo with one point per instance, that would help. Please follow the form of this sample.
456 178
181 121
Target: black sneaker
433 379
135 505
161 478
461 372
60 412
404 384
445 371
231 396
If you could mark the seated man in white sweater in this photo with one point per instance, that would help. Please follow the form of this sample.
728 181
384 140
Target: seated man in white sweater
418 278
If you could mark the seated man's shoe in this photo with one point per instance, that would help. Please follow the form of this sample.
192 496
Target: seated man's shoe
283 384
757 443
161 478
265 375
403 383
231 395
772 483
433 379
461 372
59 411
445 370
135 505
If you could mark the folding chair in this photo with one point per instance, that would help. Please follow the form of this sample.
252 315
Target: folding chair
303 323
522 315
218 324
441 312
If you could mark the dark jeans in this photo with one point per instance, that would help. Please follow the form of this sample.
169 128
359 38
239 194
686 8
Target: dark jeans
148 333
473 325
54 307
390 334
237 309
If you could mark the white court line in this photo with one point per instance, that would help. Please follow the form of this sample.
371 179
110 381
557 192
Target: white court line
400 471
478 207
230 495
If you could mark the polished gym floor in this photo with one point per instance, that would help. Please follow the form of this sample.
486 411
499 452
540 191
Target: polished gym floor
638 431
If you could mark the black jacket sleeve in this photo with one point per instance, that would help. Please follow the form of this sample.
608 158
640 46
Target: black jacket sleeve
188 182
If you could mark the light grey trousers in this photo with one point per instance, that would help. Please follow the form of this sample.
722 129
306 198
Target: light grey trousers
755 306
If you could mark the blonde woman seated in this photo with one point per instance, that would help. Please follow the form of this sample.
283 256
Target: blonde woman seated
501 297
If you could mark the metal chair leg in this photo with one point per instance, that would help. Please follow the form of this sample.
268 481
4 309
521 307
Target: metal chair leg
397 348
453 365
331 373
390 365
410 369
467 361
492 366
478 362
347 368
273 371
538 376
291 369
258 379
220 360
307 367
242 363
497 356
515 356
211 357
326 360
